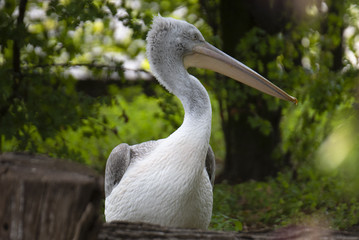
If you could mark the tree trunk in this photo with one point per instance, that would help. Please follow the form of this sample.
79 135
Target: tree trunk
249 151
43 198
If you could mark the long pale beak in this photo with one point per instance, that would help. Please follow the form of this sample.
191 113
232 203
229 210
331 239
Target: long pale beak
208 57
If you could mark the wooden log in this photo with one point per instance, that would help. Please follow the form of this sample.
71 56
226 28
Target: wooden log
44 198
143 231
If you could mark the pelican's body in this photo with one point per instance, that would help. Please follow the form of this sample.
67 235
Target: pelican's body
169 181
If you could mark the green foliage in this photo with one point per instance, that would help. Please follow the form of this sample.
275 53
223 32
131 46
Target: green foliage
37 94
40 108
311 199
320 191
38 114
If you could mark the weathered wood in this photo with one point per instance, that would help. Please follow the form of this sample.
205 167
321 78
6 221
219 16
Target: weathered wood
126 230
44 198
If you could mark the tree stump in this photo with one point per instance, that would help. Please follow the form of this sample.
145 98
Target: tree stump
45 198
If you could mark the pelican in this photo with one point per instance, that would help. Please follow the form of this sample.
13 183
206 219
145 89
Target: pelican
169 181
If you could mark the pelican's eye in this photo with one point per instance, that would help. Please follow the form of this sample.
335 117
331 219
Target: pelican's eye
196 36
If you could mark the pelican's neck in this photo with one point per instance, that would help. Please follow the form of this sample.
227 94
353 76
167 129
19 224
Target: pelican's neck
187 88
195 100
192 138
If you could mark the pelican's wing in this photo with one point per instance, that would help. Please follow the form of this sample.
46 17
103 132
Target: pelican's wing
120 159
116 166
210 165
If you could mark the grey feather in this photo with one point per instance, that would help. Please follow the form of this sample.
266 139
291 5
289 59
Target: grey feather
121 157
116 166
211 165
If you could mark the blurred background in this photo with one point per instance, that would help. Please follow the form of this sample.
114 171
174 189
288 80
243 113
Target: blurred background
75 82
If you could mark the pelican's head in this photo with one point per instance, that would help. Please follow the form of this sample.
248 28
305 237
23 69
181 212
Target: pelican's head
186 45
169 40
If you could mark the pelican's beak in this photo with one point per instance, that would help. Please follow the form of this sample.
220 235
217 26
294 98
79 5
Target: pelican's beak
208 57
